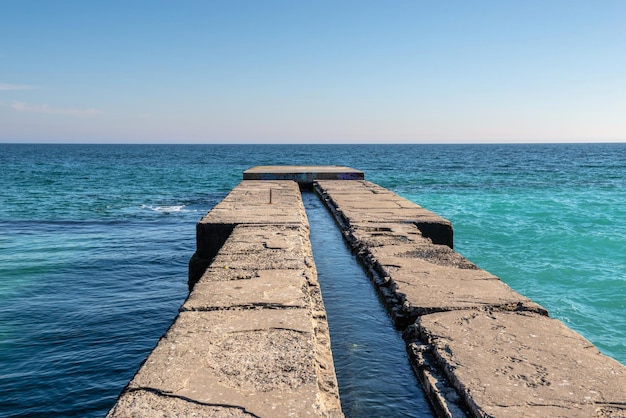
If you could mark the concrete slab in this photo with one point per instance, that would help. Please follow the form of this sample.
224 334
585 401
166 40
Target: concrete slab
265 238
440 255
303 174
263 248
261 362
260 203
363 202
382 234
424 287
507 364
274 289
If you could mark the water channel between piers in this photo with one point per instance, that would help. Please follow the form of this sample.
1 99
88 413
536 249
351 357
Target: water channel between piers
373 371
252 339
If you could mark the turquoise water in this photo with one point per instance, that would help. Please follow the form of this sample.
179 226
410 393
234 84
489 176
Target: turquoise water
95 240
550 221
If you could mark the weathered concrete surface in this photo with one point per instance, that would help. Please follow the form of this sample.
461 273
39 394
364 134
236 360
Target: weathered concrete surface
252 337
251 202
520 364
303 174
262 362
479 348
369 204
414 274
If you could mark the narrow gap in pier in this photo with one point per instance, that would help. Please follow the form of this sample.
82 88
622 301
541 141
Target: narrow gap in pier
372 367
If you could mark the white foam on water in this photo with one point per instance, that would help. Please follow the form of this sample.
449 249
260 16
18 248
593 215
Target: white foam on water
177 208
165 209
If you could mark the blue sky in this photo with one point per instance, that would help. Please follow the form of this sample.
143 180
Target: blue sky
312 71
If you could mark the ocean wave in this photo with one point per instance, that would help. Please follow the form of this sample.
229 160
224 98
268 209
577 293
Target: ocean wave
166 208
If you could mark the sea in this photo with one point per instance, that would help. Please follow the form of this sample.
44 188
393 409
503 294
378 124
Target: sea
95 242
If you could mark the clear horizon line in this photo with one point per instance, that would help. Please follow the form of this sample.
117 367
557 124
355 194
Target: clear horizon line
582 142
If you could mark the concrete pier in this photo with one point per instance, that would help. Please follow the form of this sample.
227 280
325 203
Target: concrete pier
479 348
252 338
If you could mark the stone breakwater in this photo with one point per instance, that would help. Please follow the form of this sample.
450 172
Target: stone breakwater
251 340
252 337
479 348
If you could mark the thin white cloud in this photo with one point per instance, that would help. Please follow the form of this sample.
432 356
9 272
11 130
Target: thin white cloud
14 87
36 108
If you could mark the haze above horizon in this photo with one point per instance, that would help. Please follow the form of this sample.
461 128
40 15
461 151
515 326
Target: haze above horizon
312 72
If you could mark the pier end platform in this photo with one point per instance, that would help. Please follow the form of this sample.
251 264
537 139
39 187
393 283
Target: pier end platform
304 175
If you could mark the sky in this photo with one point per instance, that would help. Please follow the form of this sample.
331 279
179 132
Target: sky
312 71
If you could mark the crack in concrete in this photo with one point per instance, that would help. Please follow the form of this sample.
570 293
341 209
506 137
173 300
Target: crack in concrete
166 394
247 306
619 404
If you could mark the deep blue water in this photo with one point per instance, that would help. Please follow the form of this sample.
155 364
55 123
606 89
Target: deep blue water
95 240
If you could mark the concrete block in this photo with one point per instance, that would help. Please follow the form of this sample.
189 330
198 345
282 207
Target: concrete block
275 289
362 202
258 362
425 287
261 203
520 364
302 174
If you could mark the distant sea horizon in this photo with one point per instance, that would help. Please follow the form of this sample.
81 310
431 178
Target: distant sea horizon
95 239
307 143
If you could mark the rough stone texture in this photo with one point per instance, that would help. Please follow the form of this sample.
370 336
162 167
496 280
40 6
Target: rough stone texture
251 202
508 364
478 347
415 275
269 288
260 361
255 202
252 337
363 202
424 285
